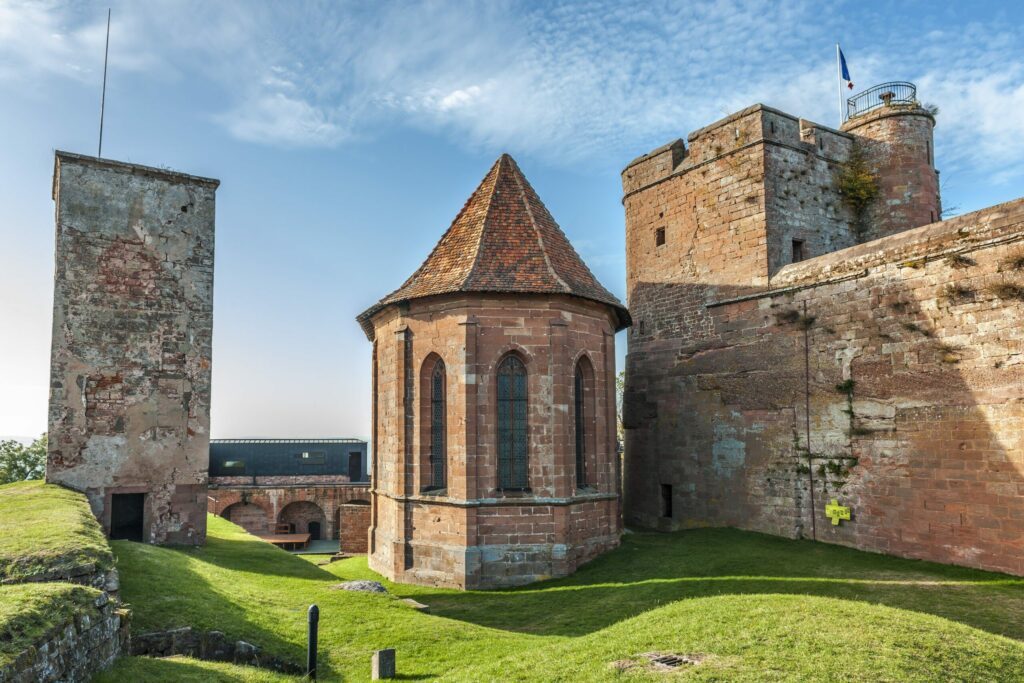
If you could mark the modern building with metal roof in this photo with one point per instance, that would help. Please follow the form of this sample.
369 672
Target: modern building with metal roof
289 457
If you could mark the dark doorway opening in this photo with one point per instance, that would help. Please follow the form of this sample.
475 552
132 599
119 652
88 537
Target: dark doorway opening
355 471
666 500
126 512
314 531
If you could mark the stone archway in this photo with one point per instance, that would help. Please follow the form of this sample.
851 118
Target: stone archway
249 516
304 517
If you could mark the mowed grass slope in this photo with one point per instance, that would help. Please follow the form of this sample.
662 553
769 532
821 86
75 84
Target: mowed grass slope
756 607
46 531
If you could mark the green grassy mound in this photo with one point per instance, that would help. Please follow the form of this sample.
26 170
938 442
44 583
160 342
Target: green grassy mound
756 607
772 638
28 612
184 670
47 531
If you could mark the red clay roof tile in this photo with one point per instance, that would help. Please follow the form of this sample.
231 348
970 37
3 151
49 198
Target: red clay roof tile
503 240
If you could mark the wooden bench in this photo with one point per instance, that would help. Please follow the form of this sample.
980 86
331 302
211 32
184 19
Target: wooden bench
288 541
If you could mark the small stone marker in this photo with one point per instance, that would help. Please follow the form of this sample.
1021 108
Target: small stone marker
383 664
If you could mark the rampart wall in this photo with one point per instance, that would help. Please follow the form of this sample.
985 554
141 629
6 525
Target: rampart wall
887 376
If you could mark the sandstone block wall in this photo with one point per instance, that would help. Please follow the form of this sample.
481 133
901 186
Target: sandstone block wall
471 534
130 364
342 508
886 375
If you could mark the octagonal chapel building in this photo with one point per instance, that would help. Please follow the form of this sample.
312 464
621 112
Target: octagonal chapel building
494 435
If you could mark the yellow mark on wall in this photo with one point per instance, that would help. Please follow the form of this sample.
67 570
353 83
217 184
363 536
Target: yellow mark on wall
836 512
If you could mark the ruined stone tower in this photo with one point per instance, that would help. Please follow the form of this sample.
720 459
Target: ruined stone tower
493 402
792 347
130 363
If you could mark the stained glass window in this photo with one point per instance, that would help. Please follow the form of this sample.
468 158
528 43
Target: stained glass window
513 459
438 456
581 433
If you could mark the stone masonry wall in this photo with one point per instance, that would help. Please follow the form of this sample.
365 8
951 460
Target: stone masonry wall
887 376
463 535
130 367
74 651
257 509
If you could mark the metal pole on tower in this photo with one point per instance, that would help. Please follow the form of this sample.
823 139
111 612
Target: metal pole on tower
103 97
839 85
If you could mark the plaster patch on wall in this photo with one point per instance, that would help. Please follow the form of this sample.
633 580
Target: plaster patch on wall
727 452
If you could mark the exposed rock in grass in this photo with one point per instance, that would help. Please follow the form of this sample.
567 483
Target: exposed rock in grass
362 586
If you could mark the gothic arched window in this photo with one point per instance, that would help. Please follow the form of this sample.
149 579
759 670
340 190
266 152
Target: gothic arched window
513 458
579 386
438 415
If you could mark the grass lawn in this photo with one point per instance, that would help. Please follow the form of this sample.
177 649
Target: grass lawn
47 530
754 607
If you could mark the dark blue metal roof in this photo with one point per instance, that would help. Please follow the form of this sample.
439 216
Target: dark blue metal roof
287 457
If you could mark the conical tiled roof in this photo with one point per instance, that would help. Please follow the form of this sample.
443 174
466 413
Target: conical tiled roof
503 240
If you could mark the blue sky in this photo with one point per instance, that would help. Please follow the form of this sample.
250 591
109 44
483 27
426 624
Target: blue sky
348 135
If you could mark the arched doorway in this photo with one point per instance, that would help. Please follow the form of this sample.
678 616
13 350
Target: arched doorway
249 516
304 517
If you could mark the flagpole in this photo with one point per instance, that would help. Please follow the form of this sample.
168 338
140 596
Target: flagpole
839 85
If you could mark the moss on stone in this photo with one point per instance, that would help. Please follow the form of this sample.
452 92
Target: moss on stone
29 613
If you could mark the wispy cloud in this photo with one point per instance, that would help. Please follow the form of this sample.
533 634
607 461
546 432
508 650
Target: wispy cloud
575 82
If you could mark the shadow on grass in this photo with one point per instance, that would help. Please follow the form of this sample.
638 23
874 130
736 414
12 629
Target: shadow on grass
185 597
650 570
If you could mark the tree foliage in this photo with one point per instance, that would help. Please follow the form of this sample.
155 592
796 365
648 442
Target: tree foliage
19 462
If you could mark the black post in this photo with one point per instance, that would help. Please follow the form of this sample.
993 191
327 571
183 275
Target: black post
314 618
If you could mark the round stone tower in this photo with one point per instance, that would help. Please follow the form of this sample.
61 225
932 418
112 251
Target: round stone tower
494 436
895 134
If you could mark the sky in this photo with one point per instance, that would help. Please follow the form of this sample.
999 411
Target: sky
348 135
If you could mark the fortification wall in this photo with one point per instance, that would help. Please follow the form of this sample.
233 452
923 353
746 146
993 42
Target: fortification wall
887 376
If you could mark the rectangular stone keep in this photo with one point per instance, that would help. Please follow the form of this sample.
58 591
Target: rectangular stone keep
130 360
383 664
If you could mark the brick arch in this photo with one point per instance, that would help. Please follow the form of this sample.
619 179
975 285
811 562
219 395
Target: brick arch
248 515
511 349
301 514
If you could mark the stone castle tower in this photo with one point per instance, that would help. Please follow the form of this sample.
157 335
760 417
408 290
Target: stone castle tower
792 347
494 402
129 416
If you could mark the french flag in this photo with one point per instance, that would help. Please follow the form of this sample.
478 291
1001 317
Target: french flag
844 70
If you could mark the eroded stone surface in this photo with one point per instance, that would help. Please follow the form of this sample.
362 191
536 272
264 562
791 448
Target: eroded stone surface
897 357
130 364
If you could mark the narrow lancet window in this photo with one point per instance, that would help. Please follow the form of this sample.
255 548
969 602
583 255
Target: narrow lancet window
513 459
438 414
581 429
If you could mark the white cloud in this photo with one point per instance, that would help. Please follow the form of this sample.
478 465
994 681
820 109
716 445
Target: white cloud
280 119
574 82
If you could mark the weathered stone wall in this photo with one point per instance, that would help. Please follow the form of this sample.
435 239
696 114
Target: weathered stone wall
343 508
353 527
887 376
74 651
898 144
463 535
212 646
130 366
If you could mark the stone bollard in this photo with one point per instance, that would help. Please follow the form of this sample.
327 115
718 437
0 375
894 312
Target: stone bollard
383 664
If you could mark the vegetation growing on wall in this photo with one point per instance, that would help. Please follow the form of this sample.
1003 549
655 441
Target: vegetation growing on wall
857 184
